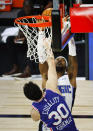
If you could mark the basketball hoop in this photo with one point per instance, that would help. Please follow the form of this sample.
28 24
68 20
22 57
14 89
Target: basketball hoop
36 29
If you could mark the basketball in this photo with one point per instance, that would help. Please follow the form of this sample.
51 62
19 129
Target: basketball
47 12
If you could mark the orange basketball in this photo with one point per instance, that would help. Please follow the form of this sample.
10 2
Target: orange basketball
47 12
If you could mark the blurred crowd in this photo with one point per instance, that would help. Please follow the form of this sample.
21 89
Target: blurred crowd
16 41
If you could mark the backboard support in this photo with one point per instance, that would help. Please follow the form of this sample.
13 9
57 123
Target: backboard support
56 26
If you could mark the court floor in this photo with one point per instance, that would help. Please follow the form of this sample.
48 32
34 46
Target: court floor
15 108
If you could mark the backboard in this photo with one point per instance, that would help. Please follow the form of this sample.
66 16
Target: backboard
60 40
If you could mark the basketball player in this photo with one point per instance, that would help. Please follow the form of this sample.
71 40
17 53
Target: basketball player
66 74
50 106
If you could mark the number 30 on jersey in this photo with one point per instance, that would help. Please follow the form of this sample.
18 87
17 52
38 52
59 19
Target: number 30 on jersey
58 115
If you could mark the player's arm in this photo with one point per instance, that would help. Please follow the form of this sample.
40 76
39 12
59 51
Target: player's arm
52 75
44 80
35 115
72 63
43 71
72 67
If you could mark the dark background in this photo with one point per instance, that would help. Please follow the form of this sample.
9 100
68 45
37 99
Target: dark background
6 59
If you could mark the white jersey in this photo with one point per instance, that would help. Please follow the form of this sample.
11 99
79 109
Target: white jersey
66 89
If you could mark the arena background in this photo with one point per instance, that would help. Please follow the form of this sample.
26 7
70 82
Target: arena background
7 20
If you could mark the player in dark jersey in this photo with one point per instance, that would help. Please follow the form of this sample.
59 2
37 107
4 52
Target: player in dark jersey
50 106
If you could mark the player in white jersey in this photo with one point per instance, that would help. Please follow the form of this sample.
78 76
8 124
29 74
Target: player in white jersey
66 72
66 89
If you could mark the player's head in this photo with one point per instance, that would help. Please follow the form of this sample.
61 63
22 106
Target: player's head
32 91
61 64
28 7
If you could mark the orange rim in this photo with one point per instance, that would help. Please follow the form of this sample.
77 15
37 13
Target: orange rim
44 24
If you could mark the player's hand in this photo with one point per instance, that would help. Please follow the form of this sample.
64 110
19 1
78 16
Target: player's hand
40 21
47 45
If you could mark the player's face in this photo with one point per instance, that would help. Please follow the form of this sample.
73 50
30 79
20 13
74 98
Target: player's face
60 62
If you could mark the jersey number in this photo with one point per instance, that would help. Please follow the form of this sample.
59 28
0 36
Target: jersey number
58 115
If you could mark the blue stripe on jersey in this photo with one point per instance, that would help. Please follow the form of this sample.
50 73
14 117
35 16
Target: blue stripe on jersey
55 112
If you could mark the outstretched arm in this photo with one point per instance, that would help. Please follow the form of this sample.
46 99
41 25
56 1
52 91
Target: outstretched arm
44 72
52 75
72 65
43 66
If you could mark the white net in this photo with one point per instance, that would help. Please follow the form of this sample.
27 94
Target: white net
35 39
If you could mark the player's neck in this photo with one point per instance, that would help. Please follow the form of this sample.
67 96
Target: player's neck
60 75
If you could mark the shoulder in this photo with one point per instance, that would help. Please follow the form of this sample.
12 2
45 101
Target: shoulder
49 93
48 90
63 78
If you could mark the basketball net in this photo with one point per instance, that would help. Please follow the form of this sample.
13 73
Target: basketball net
38 30
36 37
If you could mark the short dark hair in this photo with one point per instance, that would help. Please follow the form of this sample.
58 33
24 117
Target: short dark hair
32 91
